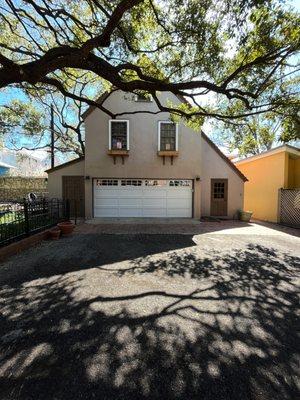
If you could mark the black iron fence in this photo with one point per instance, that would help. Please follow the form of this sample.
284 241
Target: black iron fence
23 218
76 209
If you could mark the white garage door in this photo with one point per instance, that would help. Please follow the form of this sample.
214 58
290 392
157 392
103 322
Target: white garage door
142 198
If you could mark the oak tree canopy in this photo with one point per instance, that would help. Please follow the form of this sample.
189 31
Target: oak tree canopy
241 56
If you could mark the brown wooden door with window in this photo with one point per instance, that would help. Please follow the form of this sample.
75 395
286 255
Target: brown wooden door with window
73 190
219 197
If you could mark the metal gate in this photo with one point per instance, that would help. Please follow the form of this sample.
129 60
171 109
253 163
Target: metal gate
289 207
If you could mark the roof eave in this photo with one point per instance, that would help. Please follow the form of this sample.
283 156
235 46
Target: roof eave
226 159
66 164
276 150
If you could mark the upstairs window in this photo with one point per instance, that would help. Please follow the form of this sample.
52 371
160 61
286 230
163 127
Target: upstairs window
143 96
118 134
167 136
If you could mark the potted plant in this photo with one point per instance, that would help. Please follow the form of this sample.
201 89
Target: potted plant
66 227
245 216
54 234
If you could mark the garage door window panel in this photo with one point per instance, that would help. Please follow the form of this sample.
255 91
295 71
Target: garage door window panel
155 182
106 182
180 183
131 182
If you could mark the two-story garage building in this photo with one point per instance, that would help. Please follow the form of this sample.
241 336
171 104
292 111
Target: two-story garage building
142 164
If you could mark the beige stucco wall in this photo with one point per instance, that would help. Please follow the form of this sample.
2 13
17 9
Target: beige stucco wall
55 178
214 167
143 161
196 157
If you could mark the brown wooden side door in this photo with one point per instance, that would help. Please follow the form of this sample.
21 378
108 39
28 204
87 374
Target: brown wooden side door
73 190
219 197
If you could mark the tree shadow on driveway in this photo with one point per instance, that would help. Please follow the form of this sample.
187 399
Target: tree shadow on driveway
231 335
83 251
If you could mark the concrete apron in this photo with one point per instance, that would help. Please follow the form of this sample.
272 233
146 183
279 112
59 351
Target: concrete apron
180 226
144 221
142 225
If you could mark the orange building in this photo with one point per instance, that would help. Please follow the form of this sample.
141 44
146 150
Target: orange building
268 172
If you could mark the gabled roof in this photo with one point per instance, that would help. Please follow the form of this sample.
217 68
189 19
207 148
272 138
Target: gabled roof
226 159
100 99
66 164
104 96
285 147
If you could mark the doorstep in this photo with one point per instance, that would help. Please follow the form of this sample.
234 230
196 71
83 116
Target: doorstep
143 221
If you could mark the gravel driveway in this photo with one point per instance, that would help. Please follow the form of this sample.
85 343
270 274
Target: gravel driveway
209 316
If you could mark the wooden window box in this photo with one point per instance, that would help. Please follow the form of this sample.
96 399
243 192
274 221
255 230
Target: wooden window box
168 153
118 153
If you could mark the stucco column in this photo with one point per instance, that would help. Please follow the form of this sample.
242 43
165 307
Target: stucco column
197 199
89 198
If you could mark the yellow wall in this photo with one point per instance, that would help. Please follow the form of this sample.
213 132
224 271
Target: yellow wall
291 172
266 175
294 173
297 173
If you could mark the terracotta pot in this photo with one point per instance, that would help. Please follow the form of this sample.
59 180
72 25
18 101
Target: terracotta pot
66 227
54 234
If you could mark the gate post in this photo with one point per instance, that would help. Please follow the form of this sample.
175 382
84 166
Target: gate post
67 216
26 218
279 206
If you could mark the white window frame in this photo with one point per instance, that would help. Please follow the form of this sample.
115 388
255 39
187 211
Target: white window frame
111 121
176 133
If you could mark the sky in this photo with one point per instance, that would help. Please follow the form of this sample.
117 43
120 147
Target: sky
296 4
11 93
